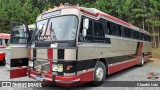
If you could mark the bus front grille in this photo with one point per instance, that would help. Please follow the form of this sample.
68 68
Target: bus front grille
42 66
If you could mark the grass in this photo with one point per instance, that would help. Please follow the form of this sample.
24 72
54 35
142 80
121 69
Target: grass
156 52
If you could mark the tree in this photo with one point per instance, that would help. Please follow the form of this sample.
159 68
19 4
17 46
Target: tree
14 10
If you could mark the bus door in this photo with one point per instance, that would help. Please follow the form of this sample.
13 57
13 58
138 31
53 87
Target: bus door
19 52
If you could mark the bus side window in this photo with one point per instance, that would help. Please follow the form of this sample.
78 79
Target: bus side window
115 29
88 37
0 41
142 36
127 32
6 41
99 35
108 28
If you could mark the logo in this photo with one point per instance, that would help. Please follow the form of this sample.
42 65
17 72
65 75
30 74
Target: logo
152 76
20 84
6 84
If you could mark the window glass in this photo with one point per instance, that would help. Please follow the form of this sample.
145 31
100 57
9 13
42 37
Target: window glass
98 29
115 29
0 41
61 28
145 37
6 41
127 32
142 36
19 34
135 34
99 35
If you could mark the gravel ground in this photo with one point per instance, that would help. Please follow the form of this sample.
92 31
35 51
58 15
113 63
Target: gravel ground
131 74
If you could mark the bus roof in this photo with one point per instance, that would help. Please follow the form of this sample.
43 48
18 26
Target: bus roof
4 35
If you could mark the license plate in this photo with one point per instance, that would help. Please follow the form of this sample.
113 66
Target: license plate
39 78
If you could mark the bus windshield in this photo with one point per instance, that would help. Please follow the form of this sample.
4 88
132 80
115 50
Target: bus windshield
56 29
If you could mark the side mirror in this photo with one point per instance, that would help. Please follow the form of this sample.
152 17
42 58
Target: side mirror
85 26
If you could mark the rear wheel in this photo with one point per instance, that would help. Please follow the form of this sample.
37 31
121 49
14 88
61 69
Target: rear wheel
99 74
142 61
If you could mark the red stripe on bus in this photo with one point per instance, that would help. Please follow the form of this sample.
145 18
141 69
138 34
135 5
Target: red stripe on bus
140 49
2 55
18 73
83 78
50 57
88 76
2 46
107 16
122 66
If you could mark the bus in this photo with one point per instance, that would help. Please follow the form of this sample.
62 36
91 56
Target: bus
4 38
72 45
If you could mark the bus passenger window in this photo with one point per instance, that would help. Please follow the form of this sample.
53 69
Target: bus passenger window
6 41
99 35
142 36
127 32
115 29
0 41
98 30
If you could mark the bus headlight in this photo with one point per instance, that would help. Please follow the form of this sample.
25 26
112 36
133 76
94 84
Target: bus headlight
54 67
60 67
57 67
30 63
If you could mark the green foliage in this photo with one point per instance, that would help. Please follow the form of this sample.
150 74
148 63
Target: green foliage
15 10
132 11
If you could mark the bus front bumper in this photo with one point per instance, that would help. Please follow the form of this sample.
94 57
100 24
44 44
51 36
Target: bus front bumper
65 81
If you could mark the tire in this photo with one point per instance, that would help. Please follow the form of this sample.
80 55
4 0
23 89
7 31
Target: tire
99 74
3 62
142 61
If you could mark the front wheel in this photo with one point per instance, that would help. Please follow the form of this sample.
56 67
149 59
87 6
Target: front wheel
99 74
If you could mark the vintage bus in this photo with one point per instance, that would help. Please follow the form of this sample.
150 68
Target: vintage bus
4 38
73 45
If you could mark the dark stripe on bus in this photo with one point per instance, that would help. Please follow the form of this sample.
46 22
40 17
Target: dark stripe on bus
19 62
42 44
34 55
88 64
60 54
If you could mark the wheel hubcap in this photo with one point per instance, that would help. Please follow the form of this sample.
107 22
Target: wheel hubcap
99 73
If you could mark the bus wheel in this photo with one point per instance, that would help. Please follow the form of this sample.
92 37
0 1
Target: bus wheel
142 61
99 74
3 62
